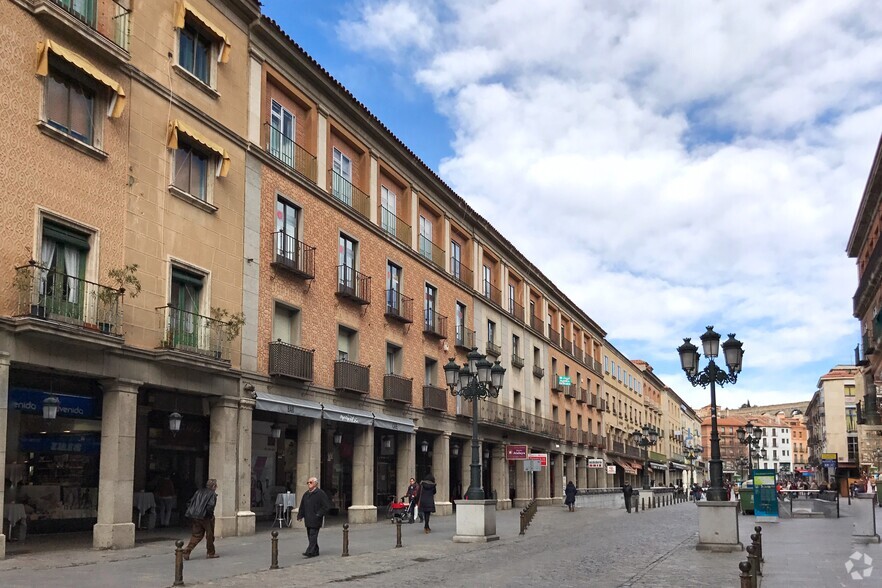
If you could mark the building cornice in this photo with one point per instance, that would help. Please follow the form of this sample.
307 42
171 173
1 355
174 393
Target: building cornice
868 207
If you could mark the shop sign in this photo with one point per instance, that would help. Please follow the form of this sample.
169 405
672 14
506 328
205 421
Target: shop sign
595 463
829 460
31 401
542 458
564 381
532 465
90 444
515 452
611 469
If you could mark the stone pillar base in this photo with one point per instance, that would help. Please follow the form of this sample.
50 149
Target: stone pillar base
245 522
226 526
295 524
362 514
557 500
520 502
543 501
443 509
718 526
864 526
2 546
113 536
475 521
503 504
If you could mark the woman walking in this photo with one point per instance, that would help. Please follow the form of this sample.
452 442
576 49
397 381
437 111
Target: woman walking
427 500
570 500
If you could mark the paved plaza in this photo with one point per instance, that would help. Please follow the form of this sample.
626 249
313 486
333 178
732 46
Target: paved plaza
591 547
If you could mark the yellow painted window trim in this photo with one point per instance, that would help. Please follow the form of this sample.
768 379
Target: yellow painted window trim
182 8
117 104
177 126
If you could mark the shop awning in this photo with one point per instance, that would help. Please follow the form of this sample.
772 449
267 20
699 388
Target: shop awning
181 10
81 63
626 465
287 405
679 466
657 466
384 421
176 126
342 414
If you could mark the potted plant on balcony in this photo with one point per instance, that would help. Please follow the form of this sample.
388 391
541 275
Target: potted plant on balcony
24 282
125 279
231 325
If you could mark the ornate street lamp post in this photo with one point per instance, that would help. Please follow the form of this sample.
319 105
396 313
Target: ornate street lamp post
475 380
691 453
645 437
712 375
750 435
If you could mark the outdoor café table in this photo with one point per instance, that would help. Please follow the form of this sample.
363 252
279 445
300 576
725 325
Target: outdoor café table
284 502
143 502
15 514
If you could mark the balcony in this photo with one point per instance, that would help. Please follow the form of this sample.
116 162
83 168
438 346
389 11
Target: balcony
583 438
344 191
569 391
61 298
491 293
399 307
658 457
431 252
516 310
592 400
517 361
351 377
462 273
434 324
353 285
294 256
394 226
434 398
493 349
601 405
504 417
567 345
556 386
398 389
577 353
193 333
593 364
290 361
538 371
583 396
554 336
290 154
537 325
108 18
465 338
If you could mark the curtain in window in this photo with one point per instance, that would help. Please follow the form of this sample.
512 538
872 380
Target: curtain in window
47 253
72 269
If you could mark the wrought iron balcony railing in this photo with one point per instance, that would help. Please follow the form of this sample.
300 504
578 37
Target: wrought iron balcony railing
292 155
108 18
352 377
399 307
295 256
499 415
431 252
344 191
538 371
569 391
493 349
577 353
290 361
462 273
394 226
398 388
567 345
554 336
516 310
434 324
537 325
517 361
353 284
58 297
583 395
491 292
465 338
556 386
434 398
592 400
194 333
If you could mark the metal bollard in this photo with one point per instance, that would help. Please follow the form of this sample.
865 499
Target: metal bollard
274 553
754 567
179 563
746 577
345 540
522 521
759 543
398 533
642 503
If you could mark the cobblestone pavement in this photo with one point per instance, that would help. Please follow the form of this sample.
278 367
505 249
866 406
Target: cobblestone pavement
596 547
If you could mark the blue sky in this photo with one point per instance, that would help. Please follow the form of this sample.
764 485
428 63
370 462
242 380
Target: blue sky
668 165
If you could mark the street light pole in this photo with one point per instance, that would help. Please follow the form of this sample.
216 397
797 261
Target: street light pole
711 375
645 437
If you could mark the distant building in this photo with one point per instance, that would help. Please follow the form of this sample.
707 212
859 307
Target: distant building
831 419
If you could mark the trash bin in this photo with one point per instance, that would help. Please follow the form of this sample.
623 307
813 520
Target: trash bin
746 497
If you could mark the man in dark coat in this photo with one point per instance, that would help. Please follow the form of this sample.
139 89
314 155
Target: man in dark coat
427 500
314 505
628 492
570 500
200 510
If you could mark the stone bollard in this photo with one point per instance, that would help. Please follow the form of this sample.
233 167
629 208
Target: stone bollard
759 543
746 576
179 563
345 540
397 532
274 551
754 564
642 503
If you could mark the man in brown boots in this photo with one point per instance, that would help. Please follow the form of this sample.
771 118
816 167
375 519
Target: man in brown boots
200 510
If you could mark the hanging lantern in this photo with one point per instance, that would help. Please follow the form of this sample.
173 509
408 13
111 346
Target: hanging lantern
387 442
174 422
424 446
454 450
50 407
338 437
276 431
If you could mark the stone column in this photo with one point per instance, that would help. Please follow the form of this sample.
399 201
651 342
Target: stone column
441 471
571 469
363 509
581 472
500 477
321 157
523 486
414 218
543 487
4 414
116 472
223 449
309 457
374 189
405 464
446 243
245 518
557 481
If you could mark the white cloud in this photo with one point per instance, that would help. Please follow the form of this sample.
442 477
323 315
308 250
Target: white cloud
667 164
391 28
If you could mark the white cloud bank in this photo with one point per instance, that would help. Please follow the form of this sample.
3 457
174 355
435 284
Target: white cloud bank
667 164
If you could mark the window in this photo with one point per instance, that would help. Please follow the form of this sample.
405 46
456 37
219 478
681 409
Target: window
393 288
287 229
511 298
491 332
431 375
342 177
191 170
425 237
388 210
554 369
70 104
516 400
186 294
347 344
431 299
460 319
537 407
286 324
393 359
194 52
606 363
456 260
487 281
347 257
537 357
850 419
63 255
282 126
532 308
515 345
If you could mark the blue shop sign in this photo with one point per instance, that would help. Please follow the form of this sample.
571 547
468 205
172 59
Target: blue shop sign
87 444
30 401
